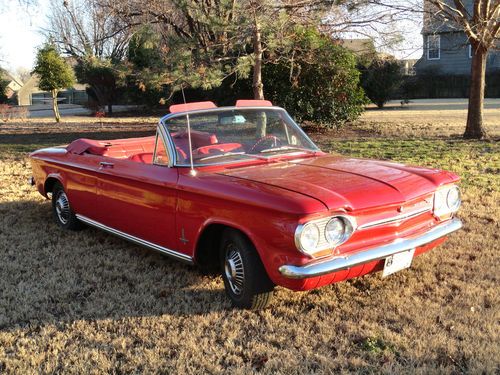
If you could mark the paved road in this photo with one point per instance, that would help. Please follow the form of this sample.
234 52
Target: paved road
439 104
40 111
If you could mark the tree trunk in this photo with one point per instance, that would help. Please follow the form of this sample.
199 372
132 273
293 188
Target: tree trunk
110 109
258 87
55 107
474 128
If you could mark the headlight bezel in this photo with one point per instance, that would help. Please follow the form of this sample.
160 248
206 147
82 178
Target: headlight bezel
325 243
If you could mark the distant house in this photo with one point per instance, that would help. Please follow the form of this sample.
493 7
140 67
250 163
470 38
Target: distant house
31 94
446 48
363 48
14 86
359 46
14 83
408 66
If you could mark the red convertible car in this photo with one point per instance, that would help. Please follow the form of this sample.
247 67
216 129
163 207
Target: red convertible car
243 190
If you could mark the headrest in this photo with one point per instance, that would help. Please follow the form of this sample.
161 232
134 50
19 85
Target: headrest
176 108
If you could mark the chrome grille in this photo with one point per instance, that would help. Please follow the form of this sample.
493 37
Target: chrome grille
416 210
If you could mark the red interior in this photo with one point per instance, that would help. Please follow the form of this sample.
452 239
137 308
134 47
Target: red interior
217 148
142 149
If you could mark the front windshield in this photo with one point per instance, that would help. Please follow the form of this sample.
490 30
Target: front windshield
226 135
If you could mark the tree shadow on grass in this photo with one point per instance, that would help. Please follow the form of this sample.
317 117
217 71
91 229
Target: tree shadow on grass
51 276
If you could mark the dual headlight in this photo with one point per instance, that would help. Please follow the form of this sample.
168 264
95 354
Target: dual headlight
446 201
319 235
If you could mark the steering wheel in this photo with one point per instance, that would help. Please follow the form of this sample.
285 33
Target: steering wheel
264 141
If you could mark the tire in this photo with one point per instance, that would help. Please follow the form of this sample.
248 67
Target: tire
61 209
245 280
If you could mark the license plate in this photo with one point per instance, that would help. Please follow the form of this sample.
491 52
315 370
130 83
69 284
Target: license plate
398 262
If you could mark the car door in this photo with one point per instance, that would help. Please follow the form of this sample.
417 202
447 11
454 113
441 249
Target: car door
139 199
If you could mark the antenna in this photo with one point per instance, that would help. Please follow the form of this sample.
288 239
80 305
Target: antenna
192 172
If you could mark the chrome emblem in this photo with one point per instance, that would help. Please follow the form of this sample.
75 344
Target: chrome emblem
183 238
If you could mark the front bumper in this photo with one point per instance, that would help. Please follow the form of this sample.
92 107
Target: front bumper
344 262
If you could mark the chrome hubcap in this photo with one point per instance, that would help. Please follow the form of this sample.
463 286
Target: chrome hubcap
62 207
233 268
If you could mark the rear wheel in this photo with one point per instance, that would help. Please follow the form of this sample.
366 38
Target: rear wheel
245 279
61 209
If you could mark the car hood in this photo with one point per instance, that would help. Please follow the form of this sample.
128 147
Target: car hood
348 183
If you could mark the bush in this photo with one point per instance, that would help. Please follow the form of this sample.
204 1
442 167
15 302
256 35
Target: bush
322 86
102 76
5 113
3 90
432 83
381 80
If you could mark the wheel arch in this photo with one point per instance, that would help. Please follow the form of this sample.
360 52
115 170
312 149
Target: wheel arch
50 181
206 253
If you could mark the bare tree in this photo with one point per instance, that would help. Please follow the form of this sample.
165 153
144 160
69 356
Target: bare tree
481 24
82 28
480 21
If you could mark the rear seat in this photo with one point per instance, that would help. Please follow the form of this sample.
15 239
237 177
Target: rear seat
140 149
117 148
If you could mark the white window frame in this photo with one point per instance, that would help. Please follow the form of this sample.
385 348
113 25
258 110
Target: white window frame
438 46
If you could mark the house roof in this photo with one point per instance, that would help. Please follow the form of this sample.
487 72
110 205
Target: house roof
434 20
359 46
31 86
4 74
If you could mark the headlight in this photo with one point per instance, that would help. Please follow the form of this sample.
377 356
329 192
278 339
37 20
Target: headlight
317 236
338 230
453 199
446 201
309 238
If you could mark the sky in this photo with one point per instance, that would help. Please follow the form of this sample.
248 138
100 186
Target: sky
20 35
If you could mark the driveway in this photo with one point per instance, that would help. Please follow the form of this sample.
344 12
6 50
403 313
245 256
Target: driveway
41 111
437 104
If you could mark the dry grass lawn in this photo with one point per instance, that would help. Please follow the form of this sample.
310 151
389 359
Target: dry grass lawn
88 302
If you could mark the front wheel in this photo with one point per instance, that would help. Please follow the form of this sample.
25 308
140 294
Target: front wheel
61 209
245 279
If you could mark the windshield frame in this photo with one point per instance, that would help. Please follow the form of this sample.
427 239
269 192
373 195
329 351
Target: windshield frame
171 144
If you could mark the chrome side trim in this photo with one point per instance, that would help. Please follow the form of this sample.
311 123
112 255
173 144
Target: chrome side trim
174 254
395 218
340 263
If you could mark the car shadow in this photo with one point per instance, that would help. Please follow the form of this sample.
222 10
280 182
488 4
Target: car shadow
48 275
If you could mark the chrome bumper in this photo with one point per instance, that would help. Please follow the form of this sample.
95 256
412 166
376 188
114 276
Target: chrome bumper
355 259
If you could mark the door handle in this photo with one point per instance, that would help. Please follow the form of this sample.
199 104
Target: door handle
105 164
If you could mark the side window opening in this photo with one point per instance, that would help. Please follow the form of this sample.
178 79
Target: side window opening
161 154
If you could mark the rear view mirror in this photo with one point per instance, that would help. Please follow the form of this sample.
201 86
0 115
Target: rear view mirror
231 119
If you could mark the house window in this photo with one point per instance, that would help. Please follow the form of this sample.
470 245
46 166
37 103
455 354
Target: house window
470 51
433 47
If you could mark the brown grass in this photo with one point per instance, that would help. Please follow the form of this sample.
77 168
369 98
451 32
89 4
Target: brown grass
87 302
